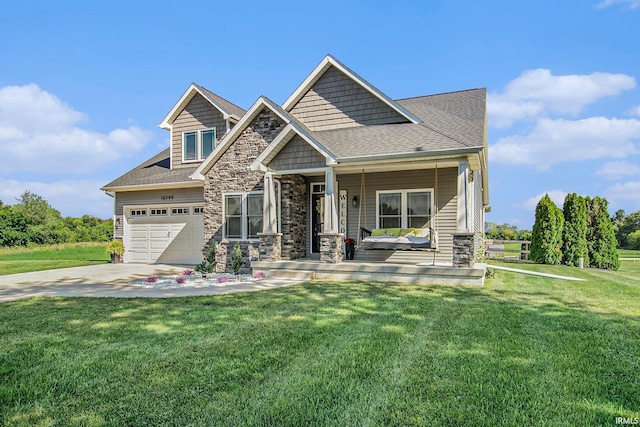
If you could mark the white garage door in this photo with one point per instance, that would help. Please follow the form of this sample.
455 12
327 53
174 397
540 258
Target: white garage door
164 234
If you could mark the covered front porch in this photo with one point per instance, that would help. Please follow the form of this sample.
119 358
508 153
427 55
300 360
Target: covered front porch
308 212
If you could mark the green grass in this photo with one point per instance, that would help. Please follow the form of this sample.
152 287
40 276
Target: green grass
22 260
629 253
522 350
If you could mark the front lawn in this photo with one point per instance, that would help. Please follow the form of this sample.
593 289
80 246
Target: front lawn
23 260
522 350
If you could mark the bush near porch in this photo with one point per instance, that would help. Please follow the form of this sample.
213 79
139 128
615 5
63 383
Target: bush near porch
522 350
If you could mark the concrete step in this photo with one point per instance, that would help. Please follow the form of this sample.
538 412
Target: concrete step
288 274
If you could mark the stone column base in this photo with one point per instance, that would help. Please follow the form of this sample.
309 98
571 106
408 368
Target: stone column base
463 250
270 246
330 247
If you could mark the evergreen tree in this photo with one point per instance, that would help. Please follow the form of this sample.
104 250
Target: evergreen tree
574 232
601 239
236 258
546 239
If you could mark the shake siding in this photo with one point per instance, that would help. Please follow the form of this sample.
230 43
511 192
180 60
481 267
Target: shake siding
198 114
336 101
297 154
404 180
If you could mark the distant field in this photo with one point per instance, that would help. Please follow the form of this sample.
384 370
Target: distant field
22 260
629 253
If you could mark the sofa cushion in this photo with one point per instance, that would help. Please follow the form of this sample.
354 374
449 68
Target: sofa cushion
378 232
422 232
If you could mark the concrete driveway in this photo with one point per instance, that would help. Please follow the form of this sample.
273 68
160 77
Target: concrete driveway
113 280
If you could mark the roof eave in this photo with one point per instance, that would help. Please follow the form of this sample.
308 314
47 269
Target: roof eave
159 186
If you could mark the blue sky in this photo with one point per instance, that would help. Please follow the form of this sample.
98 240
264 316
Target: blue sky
83 85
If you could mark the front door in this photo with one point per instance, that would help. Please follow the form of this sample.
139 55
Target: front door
317 215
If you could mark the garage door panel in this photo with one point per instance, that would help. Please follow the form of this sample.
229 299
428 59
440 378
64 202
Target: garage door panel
165 239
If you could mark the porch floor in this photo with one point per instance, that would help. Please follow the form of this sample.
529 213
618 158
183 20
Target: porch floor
378 271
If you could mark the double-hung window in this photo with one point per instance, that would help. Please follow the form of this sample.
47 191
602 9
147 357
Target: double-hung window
243 215
197 145
404 208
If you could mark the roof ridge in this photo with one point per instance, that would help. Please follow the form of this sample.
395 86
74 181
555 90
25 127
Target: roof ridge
442 93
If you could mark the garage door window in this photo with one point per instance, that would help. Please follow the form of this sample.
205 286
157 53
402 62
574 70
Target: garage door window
158 212
179 211
137 212
198 210
242 215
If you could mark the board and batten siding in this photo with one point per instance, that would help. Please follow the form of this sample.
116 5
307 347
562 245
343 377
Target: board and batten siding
337 101
478 214
297 154
197 115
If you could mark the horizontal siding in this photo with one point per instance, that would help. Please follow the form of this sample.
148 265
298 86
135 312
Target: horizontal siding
198 114
337 101
445 223
297 154
154 197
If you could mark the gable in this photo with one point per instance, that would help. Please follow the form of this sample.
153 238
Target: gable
197 114
337 101
297 154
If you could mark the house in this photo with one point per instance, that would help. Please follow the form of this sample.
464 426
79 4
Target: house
291 181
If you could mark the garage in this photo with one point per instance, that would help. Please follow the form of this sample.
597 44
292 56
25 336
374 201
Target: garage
170 234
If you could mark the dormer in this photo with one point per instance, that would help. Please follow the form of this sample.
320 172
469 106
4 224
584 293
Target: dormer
198 121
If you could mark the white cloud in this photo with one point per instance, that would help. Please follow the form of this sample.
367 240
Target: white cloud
530 204
70 197
618 169
635 111
537 92
624 196
556 141
39 133
632 4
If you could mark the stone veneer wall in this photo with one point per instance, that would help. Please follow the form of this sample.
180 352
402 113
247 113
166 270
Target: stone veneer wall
330 247
293 218
231 173
463 250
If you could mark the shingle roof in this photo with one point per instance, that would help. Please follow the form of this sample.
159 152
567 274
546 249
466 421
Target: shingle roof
229 106
156 170
449 121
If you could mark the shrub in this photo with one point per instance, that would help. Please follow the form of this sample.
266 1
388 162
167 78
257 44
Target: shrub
236 258
208 265
601 238
546 239
574 232
181 279
152 279
188 272
223 279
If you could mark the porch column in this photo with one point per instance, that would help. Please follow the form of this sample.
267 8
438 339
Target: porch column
330 238
270 240
331 224
463 216
270 218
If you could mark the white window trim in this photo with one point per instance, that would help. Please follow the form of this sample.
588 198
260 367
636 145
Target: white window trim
199 156
243 229
404 221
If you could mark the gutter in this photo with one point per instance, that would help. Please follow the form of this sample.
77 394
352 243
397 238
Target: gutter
426 155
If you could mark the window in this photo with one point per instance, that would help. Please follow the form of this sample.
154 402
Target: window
243 215
138 212
404 208
179 211
198 210
197 145
158 212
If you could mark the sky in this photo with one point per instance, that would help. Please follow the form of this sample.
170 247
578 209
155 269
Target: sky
84 85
